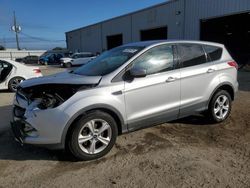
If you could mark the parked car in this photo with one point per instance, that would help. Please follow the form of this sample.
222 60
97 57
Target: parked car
31 59
77 59
50 58
127 88
13 73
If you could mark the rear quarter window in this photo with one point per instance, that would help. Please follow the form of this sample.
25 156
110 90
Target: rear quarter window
213 52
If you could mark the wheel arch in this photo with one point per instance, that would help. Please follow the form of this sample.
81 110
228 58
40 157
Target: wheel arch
14 76
98 107
227 86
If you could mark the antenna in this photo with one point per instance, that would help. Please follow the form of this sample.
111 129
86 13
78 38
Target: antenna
17 30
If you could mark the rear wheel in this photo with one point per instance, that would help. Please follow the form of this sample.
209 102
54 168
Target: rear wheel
14 82
220 106
93 136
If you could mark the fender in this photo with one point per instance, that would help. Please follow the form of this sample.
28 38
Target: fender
220 85
92 107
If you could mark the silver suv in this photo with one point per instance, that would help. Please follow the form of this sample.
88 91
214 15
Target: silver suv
127 88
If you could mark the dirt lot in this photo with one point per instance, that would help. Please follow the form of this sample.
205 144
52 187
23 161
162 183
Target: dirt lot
185 153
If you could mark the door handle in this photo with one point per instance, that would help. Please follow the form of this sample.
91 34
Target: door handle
171 79
210 70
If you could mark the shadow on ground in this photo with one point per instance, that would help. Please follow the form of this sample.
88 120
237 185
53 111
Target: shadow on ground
244 80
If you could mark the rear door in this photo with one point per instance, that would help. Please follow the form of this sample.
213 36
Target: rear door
83 59
156 97
197 77
5 70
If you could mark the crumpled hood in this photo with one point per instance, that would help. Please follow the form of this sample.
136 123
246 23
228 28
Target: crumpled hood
61 78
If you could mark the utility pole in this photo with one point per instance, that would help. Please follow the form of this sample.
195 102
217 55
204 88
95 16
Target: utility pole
16 29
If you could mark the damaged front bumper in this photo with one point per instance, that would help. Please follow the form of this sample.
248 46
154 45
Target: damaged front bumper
37 127
17 127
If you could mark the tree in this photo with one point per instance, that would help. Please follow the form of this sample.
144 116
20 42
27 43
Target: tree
58 48
2 47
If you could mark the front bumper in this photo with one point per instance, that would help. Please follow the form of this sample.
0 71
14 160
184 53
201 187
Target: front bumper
17 127
47 125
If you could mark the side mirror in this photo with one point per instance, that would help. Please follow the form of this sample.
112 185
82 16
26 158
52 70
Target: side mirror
138 72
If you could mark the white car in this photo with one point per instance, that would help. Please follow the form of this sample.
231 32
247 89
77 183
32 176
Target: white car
13 73
77 59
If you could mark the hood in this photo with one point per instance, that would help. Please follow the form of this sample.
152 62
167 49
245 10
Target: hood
62 78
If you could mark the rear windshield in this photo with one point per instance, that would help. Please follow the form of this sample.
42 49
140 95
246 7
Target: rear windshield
108 61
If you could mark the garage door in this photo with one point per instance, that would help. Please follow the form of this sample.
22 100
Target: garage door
154 34
233 31
114 41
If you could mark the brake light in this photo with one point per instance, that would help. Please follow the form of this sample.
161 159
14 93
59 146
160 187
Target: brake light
37 71
233 64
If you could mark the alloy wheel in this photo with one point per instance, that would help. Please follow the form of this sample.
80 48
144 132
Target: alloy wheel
221 107
94 136
15 82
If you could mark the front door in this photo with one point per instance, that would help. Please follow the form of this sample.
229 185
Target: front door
155 98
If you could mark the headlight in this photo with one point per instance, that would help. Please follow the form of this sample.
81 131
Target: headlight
50 101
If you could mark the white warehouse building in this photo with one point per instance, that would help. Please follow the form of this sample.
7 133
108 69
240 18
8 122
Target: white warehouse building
224 21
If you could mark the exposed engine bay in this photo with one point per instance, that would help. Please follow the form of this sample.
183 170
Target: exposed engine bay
49 95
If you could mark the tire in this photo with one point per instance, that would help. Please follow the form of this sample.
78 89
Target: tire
85 144
13 83
220 106
68 65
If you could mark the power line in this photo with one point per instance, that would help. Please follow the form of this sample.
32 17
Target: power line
41 39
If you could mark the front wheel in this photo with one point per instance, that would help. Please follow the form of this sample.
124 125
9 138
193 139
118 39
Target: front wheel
93 136
220 106
68 65
14 82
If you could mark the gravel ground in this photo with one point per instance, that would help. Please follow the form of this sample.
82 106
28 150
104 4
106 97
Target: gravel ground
184 153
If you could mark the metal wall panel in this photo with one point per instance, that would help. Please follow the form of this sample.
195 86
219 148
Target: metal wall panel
91 40
73 41
121 25
170 14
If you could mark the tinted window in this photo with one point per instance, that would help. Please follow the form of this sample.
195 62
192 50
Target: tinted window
155 60
5 65
85 55
108 61
214 53
75 56
191 54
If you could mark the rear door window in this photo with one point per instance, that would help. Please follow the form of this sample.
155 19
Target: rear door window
213 52
191 54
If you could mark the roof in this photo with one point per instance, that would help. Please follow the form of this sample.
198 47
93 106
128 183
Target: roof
141 10
146 43
154 42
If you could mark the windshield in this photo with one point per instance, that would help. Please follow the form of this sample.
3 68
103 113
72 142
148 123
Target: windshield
108 61
74 56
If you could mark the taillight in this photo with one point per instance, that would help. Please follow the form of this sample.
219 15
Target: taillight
233 64
37 71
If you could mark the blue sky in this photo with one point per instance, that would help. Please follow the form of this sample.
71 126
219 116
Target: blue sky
48 20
